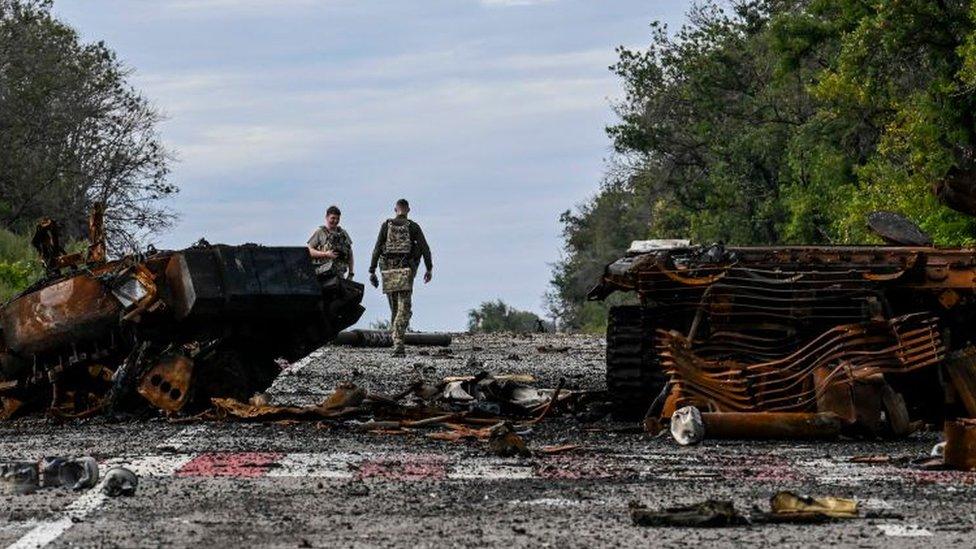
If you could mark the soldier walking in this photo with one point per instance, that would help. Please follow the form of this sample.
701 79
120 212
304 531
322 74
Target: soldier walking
399 248
331 247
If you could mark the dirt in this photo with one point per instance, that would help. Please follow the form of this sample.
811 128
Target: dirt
223 484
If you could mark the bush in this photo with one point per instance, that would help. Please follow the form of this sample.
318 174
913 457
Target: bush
496 316
19 265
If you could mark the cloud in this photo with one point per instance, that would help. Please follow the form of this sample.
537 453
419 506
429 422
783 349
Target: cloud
507 3
234 120
199 5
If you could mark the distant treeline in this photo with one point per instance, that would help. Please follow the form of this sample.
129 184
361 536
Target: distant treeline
782 121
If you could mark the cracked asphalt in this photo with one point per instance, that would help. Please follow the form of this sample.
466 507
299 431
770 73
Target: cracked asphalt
223 484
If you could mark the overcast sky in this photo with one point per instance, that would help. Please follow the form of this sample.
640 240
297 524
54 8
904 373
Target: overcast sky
488 115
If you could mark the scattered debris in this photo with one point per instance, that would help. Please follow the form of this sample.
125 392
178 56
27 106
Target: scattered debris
503 441
790 507
120 481
707 514
50 472
785 507
78 474
18 477
687 427
559 449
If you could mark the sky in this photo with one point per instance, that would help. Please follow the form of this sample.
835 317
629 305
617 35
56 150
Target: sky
488 115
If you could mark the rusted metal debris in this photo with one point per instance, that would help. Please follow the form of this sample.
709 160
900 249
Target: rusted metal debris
170 329
960 444
494 410
861 332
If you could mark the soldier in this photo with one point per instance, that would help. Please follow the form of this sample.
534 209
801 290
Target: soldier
400 245
331 247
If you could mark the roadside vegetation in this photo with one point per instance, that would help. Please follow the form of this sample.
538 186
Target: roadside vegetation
499 317
782 122
73 133
19 266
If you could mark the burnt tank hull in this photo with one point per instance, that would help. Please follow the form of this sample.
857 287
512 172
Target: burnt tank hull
742 329
229 311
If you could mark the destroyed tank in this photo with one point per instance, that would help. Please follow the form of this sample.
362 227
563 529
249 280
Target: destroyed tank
880 335
170 329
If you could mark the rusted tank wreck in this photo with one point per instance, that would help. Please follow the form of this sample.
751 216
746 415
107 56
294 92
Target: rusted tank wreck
170 329
867 340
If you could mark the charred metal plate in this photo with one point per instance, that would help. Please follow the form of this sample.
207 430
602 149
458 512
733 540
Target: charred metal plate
246 280
897 229
71 311
167 384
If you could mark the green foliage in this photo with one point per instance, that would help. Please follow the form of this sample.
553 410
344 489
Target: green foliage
19 266
782 122
73 132
383 325
496 316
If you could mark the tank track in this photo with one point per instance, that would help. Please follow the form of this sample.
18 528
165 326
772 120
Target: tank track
633 376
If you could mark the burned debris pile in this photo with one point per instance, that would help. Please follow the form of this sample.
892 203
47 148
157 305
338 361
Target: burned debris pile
495 409
168 329
793 342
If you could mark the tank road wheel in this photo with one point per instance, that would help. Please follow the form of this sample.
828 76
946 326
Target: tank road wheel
633 376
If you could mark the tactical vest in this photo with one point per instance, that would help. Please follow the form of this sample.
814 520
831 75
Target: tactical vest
398 240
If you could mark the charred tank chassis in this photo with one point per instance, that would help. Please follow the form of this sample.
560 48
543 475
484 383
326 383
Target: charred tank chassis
171 329
866 332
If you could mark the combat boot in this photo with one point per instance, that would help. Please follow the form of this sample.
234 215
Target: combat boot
399 351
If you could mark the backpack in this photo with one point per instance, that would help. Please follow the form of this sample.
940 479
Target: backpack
398 241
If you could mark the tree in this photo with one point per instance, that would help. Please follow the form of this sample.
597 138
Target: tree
496 316
784 122
73 132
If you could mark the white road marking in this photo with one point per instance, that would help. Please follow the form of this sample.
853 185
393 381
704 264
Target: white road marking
904 530
334 466
482 469
557 502
297 366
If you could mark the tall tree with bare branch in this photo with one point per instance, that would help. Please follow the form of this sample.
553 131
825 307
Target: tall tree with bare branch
73 132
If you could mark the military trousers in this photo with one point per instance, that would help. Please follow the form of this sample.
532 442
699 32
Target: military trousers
401 309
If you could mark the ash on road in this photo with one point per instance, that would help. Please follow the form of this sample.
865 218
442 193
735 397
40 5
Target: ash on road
303 485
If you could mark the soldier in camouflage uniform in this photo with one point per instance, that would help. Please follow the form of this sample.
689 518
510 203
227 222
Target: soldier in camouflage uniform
331 247
399 248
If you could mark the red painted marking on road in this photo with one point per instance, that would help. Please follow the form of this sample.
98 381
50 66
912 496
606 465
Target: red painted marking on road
405 468
762 468
244 465
937 477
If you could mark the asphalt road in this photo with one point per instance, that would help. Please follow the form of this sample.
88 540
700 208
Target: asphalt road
222 484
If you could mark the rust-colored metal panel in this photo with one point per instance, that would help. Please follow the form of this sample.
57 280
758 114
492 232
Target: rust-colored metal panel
962 372
72 310
167 384
960 449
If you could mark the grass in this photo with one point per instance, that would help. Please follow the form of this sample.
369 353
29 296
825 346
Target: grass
19 265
